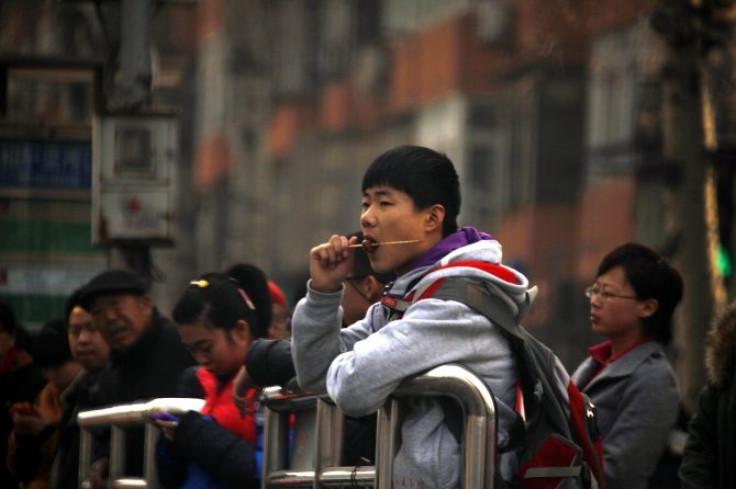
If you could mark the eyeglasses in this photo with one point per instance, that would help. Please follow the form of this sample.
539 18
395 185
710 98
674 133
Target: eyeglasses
603 295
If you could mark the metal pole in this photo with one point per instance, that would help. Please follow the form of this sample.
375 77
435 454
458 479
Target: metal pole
387 430
149 452
85 456
117 454
135 52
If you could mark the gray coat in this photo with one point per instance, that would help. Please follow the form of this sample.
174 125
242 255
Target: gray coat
637 400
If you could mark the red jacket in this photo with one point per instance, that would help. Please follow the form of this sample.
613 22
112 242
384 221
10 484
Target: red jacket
219 405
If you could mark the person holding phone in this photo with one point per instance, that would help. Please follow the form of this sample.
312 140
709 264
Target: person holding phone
33 442
218 317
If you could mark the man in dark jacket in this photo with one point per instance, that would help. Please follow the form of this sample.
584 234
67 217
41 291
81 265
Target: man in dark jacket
89 349
147 356
710 452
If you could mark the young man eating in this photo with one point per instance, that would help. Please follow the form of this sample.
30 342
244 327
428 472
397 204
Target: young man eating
411 198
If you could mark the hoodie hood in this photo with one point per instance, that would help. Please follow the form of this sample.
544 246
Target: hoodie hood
478 257
720 346
460 238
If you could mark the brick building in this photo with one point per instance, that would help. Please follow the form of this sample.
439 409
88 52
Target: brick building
550 109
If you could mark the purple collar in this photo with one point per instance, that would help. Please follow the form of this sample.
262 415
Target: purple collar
462 237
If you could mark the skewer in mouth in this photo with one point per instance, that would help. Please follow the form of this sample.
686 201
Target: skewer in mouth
366 243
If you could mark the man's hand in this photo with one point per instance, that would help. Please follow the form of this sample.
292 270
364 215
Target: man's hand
330 263
29 423
241 385
98 473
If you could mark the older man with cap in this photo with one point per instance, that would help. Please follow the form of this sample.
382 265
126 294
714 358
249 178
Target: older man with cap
147 356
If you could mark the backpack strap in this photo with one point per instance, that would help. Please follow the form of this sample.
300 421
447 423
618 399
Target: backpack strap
482 296
471 294
479 295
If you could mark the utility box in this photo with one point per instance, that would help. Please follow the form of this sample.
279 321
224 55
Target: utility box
134 178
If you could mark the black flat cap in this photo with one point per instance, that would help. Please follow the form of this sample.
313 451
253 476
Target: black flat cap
111 282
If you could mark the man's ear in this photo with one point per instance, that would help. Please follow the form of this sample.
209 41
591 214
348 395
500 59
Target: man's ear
373 290
435 218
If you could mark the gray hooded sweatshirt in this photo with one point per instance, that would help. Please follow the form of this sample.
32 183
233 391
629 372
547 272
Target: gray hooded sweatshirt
360 366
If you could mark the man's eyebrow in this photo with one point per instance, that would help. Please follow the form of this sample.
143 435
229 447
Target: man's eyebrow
380 192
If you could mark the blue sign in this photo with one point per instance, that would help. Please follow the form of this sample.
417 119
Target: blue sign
46 164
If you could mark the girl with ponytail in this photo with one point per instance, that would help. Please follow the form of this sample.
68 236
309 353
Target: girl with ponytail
218 316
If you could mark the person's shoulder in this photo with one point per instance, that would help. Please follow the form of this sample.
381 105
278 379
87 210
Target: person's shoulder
656 358
655 372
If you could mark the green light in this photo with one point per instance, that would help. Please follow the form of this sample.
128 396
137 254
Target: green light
723 262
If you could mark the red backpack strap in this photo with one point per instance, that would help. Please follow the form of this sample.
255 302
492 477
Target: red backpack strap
500 271
519 402
580 411
398 305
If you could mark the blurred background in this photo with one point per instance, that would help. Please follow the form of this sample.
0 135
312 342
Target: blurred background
175 137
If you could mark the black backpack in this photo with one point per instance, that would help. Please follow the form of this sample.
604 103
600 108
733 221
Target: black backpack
559 444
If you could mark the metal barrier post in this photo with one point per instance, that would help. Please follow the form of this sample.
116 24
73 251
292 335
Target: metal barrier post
387 430
278 406
117 453
85 455
150 472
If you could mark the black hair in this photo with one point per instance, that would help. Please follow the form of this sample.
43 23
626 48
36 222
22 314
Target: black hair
651 277
8 320
23 340
74 300
426 176
223 301
362 266
51 345
254 281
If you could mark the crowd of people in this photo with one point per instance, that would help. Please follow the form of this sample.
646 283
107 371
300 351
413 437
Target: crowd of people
368 321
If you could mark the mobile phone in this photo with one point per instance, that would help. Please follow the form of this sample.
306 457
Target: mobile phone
164 417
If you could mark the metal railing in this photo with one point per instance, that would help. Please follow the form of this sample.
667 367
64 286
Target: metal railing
307 453
119 419
284 463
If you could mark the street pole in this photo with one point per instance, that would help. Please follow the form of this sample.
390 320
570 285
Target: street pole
133 94
689 128
135 54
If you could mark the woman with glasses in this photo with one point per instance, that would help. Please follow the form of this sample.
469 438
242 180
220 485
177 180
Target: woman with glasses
628 377
218 317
